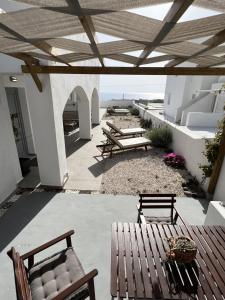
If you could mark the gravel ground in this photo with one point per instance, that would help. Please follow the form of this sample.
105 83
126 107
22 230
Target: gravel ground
140 171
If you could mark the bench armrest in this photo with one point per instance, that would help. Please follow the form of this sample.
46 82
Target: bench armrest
88 278
30 255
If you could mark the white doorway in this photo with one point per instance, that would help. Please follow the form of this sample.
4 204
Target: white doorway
17 121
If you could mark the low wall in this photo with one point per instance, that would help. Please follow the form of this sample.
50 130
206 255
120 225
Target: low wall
201 119
189 147
121 103
215 214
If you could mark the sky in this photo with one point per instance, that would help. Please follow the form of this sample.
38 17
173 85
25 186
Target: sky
144 84
128 83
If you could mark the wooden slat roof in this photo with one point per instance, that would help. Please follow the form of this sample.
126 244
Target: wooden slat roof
48 24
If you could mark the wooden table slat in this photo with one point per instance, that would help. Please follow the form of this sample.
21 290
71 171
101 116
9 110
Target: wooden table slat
163 282
216 239
203 288
212 264
114 263
221 232
164 238
121 269
129 262
141 270
209 284
143 265
213 246
137 272
150 260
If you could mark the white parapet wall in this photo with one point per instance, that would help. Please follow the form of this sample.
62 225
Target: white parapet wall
121 103
201 119
215 214
185 142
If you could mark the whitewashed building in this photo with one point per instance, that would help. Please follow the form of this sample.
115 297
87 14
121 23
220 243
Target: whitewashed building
31 123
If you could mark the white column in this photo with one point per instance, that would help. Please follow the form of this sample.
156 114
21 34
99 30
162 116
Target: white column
84 111
48 133
95 117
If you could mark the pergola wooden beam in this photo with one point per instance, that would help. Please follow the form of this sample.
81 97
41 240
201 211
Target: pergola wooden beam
177 9
211 43
88 26
123 70
29 61
42 45
35 77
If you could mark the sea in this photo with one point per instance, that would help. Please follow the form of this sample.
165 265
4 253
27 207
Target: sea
130 96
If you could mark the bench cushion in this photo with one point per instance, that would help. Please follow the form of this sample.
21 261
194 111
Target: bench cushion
138 130
53 274
134 142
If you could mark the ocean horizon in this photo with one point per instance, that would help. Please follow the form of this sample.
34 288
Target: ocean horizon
130 96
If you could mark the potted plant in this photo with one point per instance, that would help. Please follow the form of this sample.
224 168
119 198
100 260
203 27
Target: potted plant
182 249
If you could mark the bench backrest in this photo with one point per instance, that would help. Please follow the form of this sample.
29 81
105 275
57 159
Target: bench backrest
114 127
20 275
112 138
158 201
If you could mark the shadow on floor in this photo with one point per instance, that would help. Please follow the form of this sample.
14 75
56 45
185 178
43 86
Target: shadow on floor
97 169
20 214
73 143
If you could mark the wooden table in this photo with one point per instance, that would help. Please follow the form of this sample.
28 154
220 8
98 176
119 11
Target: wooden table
140 269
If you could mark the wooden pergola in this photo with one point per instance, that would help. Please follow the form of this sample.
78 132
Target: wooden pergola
41 33
37 33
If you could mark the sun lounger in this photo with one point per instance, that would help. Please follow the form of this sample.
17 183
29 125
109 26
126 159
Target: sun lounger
117 111
126 131
114 144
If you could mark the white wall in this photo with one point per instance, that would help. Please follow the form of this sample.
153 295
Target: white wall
9 162
215 214
180 90
203 105
174 94
201 119
183 143
122 103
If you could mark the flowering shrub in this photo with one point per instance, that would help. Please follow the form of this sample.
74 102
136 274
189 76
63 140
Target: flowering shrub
174 160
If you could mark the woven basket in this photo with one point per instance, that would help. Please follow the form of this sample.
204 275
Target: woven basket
185 254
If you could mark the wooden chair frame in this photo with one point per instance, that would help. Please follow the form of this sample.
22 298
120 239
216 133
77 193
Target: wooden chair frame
158 201
29 256
112 142
119 133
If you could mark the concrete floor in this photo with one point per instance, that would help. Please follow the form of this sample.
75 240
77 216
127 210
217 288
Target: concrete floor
40 216
85 165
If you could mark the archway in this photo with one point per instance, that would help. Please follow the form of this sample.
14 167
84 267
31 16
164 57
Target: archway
76 118
95 119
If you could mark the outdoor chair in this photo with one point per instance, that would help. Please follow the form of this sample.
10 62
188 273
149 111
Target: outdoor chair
60 276
113 144
126 131
117 111
158 201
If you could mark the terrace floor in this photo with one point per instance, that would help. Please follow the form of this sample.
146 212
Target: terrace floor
40 216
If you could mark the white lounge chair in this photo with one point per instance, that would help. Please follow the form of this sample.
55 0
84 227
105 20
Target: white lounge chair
138 131
117 111
114 144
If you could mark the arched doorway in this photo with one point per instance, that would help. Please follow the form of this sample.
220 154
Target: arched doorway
76 118
95 119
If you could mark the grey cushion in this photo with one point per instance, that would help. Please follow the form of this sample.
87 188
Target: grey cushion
52 275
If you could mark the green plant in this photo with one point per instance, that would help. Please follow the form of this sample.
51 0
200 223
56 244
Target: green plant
212 150
146 123
160 137
134 111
